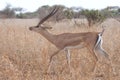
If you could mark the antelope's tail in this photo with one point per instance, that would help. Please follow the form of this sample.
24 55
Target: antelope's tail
98 47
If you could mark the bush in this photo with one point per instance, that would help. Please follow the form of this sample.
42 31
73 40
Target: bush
68 14
8 11
93 16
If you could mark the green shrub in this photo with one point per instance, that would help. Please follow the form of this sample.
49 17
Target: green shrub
93 16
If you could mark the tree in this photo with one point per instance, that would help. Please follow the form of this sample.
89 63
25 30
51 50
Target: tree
60 14
119 10
93 16
19 11
68 13
8 11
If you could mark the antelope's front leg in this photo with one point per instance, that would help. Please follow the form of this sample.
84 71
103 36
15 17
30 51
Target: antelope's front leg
51 58
67 51
68 57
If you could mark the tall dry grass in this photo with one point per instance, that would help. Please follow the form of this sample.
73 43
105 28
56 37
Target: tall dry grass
24 55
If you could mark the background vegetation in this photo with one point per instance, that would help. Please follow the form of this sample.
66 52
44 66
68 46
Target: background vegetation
93 16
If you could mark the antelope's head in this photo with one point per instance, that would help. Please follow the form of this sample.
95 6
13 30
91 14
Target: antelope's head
39 26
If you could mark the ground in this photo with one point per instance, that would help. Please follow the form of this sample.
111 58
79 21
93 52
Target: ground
24 55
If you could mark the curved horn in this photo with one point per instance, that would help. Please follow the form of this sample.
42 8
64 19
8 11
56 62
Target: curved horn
48 16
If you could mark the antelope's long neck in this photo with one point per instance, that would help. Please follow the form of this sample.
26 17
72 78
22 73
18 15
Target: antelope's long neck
50 37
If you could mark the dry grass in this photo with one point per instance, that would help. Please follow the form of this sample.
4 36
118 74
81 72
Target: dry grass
24 55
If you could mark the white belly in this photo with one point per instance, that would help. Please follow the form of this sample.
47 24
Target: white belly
76 47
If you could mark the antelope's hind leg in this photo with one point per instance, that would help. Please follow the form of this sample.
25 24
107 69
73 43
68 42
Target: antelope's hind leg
95 59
